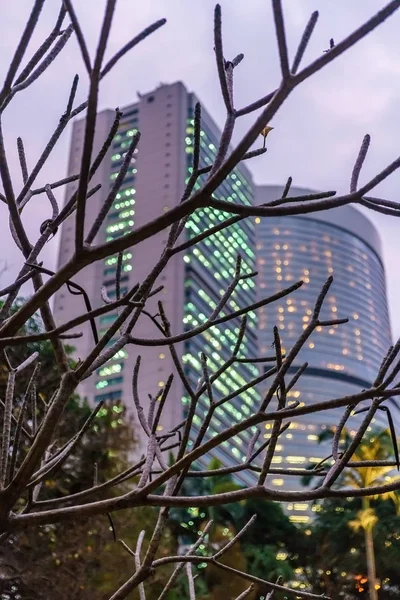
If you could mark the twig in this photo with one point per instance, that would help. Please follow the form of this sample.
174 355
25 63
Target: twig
6 436
219 55
281 38
79 35
21 48
192 592
308 31
359 162
131 44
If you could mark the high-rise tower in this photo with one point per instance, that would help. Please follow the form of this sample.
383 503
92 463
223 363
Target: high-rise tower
193 281
342 360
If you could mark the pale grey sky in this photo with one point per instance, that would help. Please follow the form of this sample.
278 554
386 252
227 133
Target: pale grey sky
317 132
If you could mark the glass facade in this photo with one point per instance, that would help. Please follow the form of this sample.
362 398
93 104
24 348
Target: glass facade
342 359
209 269
119 221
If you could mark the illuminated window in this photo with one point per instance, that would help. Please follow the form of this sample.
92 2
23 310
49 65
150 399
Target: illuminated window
110 369
106 382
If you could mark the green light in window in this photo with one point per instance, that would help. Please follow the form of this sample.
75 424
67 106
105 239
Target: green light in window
189 150
109 370
127 213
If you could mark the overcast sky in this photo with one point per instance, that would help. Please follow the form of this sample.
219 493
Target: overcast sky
317 132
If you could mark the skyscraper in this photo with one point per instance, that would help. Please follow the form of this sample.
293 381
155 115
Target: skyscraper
343 359
193 281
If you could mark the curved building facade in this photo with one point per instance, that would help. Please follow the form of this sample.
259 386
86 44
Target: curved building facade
343 359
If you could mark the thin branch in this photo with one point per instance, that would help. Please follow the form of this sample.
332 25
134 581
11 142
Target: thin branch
219 55
46 62
281 38
359 162
21 48
6 436
22 159
79 35
142 594
192 592
195 331
308 31
113 192
180 565
131 44
235 538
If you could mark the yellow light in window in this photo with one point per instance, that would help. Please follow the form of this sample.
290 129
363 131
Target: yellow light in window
311 345
300 506
295 459
355 315
309 311
299 519
331 331
306 272
305 319
277 482
161 384
291 309
313 437
330 270
319 328
286 262
306 280
278 269
257 220
161 355
277 246
279 277
288 301
280 309
345 351
285 246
